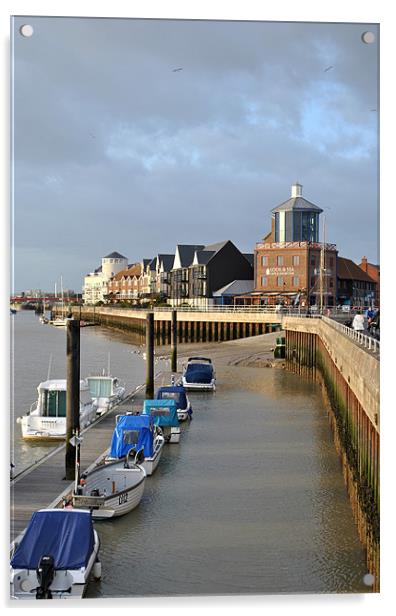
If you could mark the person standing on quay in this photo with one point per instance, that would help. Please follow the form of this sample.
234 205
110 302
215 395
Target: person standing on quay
358 322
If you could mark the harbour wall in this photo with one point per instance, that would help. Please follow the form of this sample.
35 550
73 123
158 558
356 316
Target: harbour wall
350 379
192 326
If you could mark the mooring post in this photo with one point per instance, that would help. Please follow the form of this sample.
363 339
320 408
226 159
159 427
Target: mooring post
150 356
174 341
72 393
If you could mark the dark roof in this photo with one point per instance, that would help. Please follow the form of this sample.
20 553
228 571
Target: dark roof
249 256
204 256
217 246
99 269
186 253
153 264
146 262
296 203
347 269
167 261
114 255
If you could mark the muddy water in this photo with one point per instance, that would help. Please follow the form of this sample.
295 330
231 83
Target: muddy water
252 500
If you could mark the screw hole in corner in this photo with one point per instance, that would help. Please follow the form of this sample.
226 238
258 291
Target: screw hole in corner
26 30
368 37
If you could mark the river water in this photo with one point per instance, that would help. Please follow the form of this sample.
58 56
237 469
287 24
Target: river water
251 501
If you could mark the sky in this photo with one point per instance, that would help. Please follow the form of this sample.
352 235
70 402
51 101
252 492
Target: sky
115 150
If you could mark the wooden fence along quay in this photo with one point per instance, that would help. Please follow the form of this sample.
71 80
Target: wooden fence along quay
320 348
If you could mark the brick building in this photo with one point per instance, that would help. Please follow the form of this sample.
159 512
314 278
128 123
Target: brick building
374 272
291 265
354 286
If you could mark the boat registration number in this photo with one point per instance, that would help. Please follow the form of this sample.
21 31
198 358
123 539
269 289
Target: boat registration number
123 498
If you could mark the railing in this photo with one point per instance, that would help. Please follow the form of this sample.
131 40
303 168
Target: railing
369 342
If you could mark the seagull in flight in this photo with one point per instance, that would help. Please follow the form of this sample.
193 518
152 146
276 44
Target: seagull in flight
91 135
328 69
175 70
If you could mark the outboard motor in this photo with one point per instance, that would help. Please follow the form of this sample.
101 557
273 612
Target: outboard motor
45 575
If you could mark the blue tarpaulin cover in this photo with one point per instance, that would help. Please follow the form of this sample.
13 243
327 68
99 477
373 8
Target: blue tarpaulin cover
65 534
199 373
163 412
132 431
175 392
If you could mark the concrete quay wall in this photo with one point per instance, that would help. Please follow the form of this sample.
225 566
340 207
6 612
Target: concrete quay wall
349 376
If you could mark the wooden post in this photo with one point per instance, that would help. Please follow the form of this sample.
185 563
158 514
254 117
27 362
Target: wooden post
72 393
150 356
174 341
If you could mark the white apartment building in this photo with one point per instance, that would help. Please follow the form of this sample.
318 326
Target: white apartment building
95 283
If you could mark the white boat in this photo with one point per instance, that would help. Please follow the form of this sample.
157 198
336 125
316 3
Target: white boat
199 374
56 556
105 391
111 490
60 321
134 433
46 420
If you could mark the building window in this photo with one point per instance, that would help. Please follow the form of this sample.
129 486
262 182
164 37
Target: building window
279 281
296 259
312 282
331 261
264 281
264 260
313 261
331 283
280 259
295 281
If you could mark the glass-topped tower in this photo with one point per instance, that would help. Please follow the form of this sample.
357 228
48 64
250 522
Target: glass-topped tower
296 220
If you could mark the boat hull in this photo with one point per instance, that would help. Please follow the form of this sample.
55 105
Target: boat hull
118 490
67 584
199 386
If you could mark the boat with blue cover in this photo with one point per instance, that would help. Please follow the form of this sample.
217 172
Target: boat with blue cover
56 556
179 395
164 415
134 433
199 374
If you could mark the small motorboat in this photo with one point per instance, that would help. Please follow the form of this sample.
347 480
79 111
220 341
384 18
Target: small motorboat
46 419
43 319
136 433
113 489
164 415
105 391
179 395
199 374
56 556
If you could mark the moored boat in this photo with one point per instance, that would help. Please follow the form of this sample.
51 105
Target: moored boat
179 395
199 374
164 415
46 420
137 433
111 490
56 556
106 391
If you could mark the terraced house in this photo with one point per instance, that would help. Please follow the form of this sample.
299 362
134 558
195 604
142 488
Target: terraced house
199 271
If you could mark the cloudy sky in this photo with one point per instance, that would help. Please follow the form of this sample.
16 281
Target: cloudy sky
115 150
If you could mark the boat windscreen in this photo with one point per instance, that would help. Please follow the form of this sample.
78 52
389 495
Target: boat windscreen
100 388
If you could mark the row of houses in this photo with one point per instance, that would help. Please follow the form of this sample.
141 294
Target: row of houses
193 275
289 265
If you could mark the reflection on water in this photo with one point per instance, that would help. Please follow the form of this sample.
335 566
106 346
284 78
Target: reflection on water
252 500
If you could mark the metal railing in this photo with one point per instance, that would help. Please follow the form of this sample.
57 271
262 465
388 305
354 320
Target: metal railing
368 342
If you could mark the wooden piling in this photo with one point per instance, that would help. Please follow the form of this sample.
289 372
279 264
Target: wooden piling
72 393
150 356
174 341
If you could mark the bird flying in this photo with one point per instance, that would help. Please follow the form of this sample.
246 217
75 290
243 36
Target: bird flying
175 70
328 69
